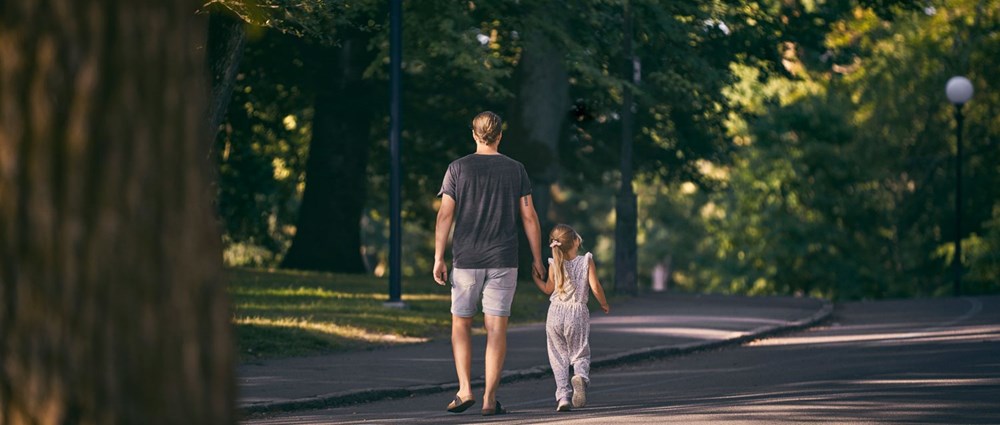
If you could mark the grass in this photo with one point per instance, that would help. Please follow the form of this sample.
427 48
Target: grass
287 313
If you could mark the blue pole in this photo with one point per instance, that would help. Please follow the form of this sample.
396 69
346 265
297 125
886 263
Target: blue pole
956 263
395 126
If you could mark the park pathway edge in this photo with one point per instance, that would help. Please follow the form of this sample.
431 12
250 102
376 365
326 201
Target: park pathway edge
368 395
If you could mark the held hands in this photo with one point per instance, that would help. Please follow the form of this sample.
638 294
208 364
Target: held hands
539 275
538 281
538 270
440 272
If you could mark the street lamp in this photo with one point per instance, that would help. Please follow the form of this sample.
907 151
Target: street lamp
959 91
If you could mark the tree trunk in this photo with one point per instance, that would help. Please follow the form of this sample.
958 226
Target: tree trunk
328 233
112 308
226 40
538 117
626 209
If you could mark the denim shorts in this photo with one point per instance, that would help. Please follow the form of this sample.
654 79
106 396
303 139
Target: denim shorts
495 287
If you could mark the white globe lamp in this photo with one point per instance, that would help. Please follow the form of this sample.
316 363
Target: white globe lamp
959 90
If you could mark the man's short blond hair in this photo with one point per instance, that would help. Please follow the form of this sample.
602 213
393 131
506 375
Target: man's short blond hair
487 127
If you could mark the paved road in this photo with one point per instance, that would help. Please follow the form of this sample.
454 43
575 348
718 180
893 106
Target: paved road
654 322
913 361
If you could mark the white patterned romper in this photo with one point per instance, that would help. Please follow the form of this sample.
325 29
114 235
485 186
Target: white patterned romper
567 327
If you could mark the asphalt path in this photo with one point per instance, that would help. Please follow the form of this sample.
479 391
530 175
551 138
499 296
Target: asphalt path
906 361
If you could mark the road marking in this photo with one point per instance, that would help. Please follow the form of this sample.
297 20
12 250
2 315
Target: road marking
977 306
930 382
938 330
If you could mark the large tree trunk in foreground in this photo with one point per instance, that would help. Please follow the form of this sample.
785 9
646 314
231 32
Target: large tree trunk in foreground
328 234
112 309
538 117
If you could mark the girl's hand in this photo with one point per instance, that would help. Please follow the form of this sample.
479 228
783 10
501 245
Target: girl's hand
538 281
606 308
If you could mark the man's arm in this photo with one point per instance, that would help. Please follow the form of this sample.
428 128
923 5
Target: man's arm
446 215
531 228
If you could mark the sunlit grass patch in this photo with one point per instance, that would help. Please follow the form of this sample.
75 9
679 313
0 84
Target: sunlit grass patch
299 292
349 332
290 313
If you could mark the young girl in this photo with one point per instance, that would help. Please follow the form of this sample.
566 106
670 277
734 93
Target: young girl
567 327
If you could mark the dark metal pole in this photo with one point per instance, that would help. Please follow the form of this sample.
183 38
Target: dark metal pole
625 208
395 220
956 263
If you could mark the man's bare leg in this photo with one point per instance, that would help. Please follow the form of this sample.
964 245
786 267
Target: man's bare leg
461 347
496 352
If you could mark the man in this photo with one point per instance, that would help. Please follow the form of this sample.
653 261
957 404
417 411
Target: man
483 193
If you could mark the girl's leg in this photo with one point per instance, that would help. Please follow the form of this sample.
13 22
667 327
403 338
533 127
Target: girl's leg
558 354
578 341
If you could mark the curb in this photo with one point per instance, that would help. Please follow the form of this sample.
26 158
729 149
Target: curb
368 395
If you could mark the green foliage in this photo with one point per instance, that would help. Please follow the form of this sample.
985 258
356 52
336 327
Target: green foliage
261 153
458 60
801 204
984 256
685 58
841 184
262 158
781 147
317 20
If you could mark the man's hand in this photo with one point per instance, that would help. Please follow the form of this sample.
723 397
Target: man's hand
538 270
440 272
538 281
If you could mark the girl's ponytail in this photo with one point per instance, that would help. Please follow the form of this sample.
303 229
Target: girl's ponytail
561 240
558 257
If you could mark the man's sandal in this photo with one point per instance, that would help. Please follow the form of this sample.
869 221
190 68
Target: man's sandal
458 405
496 410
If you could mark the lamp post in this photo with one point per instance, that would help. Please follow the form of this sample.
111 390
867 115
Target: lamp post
395 114
959 91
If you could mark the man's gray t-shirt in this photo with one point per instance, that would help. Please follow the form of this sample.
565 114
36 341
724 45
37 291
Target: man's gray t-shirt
486 190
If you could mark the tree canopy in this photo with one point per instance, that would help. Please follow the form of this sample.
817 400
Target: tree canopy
781 147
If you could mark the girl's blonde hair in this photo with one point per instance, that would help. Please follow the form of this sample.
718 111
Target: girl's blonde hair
562 238
487 127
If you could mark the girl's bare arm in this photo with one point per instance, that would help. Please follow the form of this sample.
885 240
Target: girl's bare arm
596 288
547 286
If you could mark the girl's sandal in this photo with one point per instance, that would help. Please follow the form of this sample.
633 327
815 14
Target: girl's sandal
458 405
497 410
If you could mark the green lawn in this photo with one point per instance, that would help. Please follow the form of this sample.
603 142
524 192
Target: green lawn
284 313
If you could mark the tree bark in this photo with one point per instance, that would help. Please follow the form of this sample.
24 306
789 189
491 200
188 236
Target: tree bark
328 232
626 208
538 117
112 308
226 40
